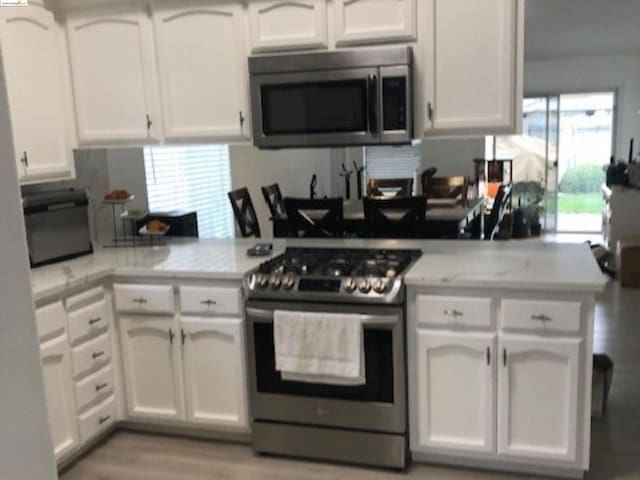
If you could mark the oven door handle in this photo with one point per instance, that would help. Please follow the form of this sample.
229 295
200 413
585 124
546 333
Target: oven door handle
367 320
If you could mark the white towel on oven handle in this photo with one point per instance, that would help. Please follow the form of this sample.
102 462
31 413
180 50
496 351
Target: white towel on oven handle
318 347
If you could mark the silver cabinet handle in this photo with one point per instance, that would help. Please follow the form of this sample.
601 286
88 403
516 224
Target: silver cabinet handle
97 354
104 419
208 303
488 355
454 313
101 386
171 335
140 301
504 357
541 318
241 120
24 159
430 111
93 321
149 122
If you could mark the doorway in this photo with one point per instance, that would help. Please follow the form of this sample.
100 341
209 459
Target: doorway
566 141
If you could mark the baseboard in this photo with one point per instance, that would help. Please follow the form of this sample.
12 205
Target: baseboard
485 464
156 429
186 431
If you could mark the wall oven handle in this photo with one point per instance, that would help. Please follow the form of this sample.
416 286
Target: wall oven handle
372 92
367 320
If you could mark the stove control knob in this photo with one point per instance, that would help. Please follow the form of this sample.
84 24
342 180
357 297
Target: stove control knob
364 286
288 282
350 285
275 281
379 285
262 281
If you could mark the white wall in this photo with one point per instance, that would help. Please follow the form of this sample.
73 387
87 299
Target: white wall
26 451
452 156
621 72
292 169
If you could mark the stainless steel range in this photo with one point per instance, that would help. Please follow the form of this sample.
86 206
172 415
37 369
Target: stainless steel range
365 423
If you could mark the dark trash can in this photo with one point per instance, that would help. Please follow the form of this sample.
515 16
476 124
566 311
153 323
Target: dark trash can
601 384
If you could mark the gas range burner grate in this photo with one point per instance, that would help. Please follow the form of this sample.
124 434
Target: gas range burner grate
336 263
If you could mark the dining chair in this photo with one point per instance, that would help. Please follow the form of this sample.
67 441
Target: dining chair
389 187
494 220
395 217
244 213
455 187
314 218
273 196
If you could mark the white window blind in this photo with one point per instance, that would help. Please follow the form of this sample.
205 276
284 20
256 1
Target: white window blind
192 178
392 162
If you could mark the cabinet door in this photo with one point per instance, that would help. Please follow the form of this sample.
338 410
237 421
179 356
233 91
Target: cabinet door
214 371
151 363
58 388
456 391
362 22
113 70
36 93
203 74
474 58
537 397
287 25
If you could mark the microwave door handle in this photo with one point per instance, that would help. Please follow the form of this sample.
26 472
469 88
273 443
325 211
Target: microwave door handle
372 91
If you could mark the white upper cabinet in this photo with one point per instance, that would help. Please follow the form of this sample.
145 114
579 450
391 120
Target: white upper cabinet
473 68
37 93
538 397
287 24
362 22
58 389
151 363
214 372
203 70
455 384
114 75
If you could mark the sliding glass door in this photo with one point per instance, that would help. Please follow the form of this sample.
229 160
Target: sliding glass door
558 160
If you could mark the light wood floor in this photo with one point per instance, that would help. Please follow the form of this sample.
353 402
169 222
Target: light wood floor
615 440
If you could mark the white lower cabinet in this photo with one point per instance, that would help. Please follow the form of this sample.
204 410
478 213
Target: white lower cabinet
456 390
151 363
58 387
538 397
214 372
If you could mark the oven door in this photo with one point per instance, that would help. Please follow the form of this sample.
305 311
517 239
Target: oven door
321 108
378 405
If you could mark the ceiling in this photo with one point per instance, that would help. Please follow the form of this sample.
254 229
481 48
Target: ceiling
569 28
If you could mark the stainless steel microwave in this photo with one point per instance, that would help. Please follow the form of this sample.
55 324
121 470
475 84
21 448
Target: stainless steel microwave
361 97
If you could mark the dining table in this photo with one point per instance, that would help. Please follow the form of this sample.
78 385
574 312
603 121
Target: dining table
445 219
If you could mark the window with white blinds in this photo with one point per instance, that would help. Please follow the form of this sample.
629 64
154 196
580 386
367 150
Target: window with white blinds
192 178
392 162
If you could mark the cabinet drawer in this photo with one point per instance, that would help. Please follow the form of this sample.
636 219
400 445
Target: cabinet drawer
91 355
97 419
85 298
454 311
51 321
95 386
88 322
210 300
144 298
561 316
